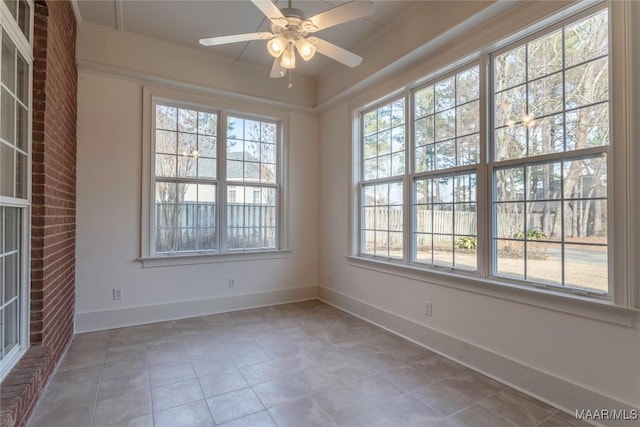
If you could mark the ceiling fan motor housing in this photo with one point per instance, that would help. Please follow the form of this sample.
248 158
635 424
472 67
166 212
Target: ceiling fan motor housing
294 28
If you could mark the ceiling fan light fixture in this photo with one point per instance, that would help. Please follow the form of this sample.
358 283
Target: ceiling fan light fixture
288 59
305 49
277 46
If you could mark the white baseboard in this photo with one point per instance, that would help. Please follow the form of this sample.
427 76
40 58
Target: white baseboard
544 386
109 319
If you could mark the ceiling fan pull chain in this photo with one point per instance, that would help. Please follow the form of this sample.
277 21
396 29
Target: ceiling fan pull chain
290 83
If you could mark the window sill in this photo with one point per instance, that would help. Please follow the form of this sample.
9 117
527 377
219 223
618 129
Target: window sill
210 258
577 305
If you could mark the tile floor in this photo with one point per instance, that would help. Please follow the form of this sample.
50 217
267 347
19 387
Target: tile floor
294 365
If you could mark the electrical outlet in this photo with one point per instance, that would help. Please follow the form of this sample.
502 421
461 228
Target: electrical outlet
427 308
232 282
117 294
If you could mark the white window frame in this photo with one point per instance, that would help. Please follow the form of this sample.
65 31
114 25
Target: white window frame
24 46
223 108
623 300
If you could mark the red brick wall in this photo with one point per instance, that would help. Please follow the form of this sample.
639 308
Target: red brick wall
54 175
53 209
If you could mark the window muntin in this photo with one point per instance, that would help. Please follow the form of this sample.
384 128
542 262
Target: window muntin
193 170
545 172
551 114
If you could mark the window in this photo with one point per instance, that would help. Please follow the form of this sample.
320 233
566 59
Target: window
447 149
551 140
216 181
383 169
535 145
15 149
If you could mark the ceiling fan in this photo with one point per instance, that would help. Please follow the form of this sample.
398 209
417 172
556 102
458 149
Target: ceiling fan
290 30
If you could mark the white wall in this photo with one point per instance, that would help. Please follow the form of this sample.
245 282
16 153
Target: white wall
591 354
108 213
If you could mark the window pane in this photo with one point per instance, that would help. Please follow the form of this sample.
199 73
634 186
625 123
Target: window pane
586 267
545 55
166 142
468 120
468 85
545 95
251 213
187 121
546 136
588 83
424 99
544 262
207 146
207 123
443 250
7 121
510 69
11 276
445 154
510 259
511 143
587 39
424 131
468 150
588 127
7 165
510 106
269 133
187 166
8 63
424 246
166 118
544 181
22 90
509 184
509 218
445 123
11 326
268 153
22 169
445 94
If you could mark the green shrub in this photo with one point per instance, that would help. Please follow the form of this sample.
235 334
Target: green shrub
467 242
533 234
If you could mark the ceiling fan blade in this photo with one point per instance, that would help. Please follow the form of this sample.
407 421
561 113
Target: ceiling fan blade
336 52
269 9
214 41
277 71
338 15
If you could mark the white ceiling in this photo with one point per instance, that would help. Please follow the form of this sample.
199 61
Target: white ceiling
184 22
